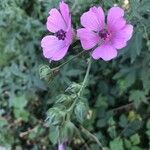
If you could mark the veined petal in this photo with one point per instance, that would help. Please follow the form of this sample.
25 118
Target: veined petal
60 54
64 9
117 25
88 38
120 39
113 15
90 21
51 45
55 21
100 16
104 51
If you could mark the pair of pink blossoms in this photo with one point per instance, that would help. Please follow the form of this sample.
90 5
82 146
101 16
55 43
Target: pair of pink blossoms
102 39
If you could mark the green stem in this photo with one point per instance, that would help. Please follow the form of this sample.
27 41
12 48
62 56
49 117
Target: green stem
93 137
66 62
82 86
85 78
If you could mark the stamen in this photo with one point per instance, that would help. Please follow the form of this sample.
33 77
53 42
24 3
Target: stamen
61 34
104 34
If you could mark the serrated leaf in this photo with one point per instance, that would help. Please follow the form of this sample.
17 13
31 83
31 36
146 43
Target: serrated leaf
137 97
132 127
54 134
81 111
67 131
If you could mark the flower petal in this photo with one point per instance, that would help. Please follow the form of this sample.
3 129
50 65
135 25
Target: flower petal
113 15
104 51
51 45
92 19
88 39
120 39
55 21
64 9
69 36
60 54
117 25
100 16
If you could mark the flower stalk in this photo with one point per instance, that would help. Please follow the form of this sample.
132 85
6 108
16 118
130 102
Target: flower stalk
84 83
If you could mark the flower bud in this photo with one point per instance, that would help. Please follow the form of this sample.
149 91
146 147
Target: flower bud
46 73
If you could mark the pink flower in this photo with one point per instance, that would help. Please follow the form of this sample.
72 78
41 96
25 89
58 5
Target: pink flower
104 39
56 46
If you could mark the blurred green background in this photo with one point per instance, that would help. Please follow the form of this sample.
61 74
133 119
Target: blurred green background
118 92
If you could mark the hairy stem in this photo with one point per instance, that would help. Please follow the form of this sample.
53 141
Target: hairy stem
66 62
93 137
84 83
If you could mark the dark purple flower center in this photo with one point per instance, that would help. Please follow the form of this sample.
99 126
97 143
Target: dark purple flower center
104 34
61 34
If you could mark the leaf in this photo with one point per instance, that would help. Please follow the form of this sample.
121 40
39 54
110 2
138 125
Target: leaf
135 139
54 134
19 102
67 131
116 144
55 116
148 124
137 97
134 47
123 121
145 6
21 114
127 144
3 122
132 127
112 131
81 111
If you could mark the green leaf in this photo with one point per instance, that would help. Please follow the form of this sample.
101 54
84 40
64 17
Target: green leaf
65 100
137 97
55 116
127 144
67 131
145 6
123 121
112 131
54 134
148 124
21 114
73 88
148 133
134 46
19 102
135 139
132 128
81 111
135 148
116 144
3 122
